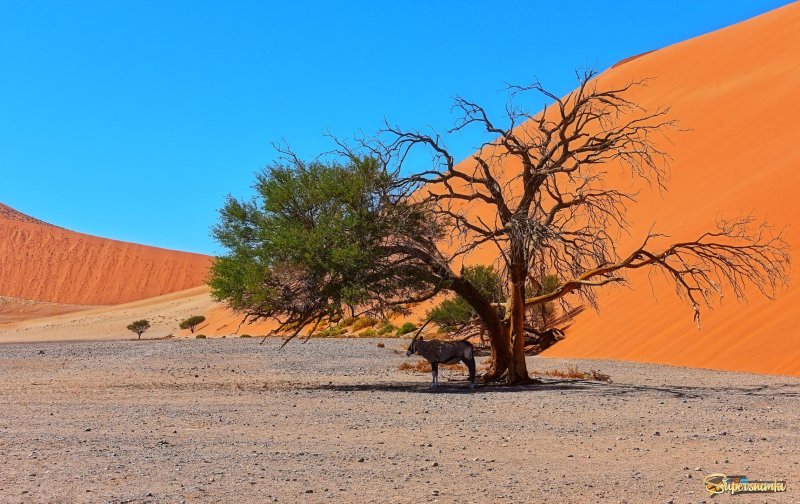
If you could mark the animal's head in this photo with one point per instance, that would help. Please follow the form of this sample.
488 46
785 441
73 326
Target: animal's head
412 348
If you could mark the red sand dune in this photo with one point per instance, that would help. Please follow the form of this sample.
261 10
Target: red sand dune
738 92
46 263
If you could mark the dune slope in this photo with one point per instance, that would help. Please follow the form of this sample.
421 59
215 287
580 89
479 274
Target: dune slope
737 91
46 263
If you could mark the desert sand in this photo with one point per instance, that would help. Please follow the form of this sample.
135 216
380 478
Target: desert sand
228 420
109 322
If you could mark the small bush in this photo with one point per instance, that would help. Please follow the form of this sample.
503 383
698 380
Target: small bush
386 328
369 333
139 327
363 322
192 322
450 314
406 328
245 336
331 332
573 373
381 345
347 321
200 336
423 366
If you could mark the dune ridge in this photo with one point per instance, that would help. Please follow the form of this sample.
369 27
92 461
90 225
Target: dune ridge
8 213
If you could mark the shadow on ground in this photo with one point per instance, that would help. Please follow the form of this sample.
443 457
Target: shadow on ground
556 385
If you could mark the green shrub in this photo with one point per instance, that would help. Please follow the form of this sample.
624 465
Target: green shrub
451 313
386 328
347 321
406 328
363 322
331 332
139 327
192 322
369 333
200 336
245 336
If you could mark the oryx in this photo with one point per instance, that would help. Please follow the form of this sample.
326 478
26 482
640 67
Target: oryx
445 352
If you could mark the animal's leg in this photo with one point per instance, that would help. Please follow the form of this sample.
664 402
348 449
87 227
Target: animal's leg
471 366
435 374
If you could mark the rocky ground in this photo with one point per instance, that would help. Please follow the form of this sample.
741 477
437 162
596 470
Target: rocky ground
335 421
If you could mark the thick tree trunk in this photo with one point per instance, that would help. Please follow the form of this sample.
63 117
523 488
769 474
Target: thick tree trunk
501 353
517 370
495 328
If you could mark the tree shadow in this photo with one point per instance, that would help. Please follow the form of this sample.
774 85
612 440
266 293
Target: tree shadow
590 387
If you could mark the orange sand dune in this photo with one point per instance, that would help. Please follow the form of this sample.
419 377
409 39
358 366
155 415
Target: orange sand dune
738 91
46 263
15 310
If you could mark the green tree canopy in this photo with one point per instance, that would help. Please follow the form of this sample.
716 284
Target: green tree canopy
451 314
318 238
139 327
192 322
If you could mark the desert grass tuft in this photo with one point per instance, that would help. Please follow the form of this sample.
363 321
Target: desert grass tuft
423 366
573 373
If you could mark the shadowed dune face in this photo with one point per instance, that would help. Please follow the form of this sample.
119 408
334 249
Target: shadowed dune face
737 92
46 263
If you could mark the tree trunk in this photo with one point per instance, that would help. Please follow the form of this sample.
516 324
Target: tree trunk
501 352
495 327
517 369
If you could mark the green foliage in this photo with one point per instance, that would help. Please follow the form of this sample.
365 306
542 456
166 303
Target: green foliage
192 322
331 332
369 333
139 327
364 322
386 328
314 242
406 328
453 313
347 321
542 314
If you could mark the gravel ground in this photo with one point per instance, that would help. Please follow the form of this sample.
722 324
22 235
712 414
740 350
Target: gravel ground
334 421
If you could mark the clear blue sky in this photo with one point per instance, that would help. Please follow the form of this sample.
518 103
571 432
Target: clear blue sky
133 119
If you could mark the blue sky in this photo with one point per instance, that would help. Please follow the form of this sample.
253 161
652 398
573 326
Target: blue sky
134 119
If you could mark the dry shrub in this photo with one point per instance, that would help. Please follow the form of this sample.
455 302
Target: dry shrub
573 373
423 366
347 321
362 323
381 345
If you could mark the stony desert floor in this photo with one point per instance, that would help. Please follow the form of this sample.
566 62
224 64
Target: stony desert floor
334 421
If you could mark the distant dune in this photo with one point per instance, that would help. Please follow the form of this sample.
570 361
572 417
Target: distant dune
737 91
45 263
